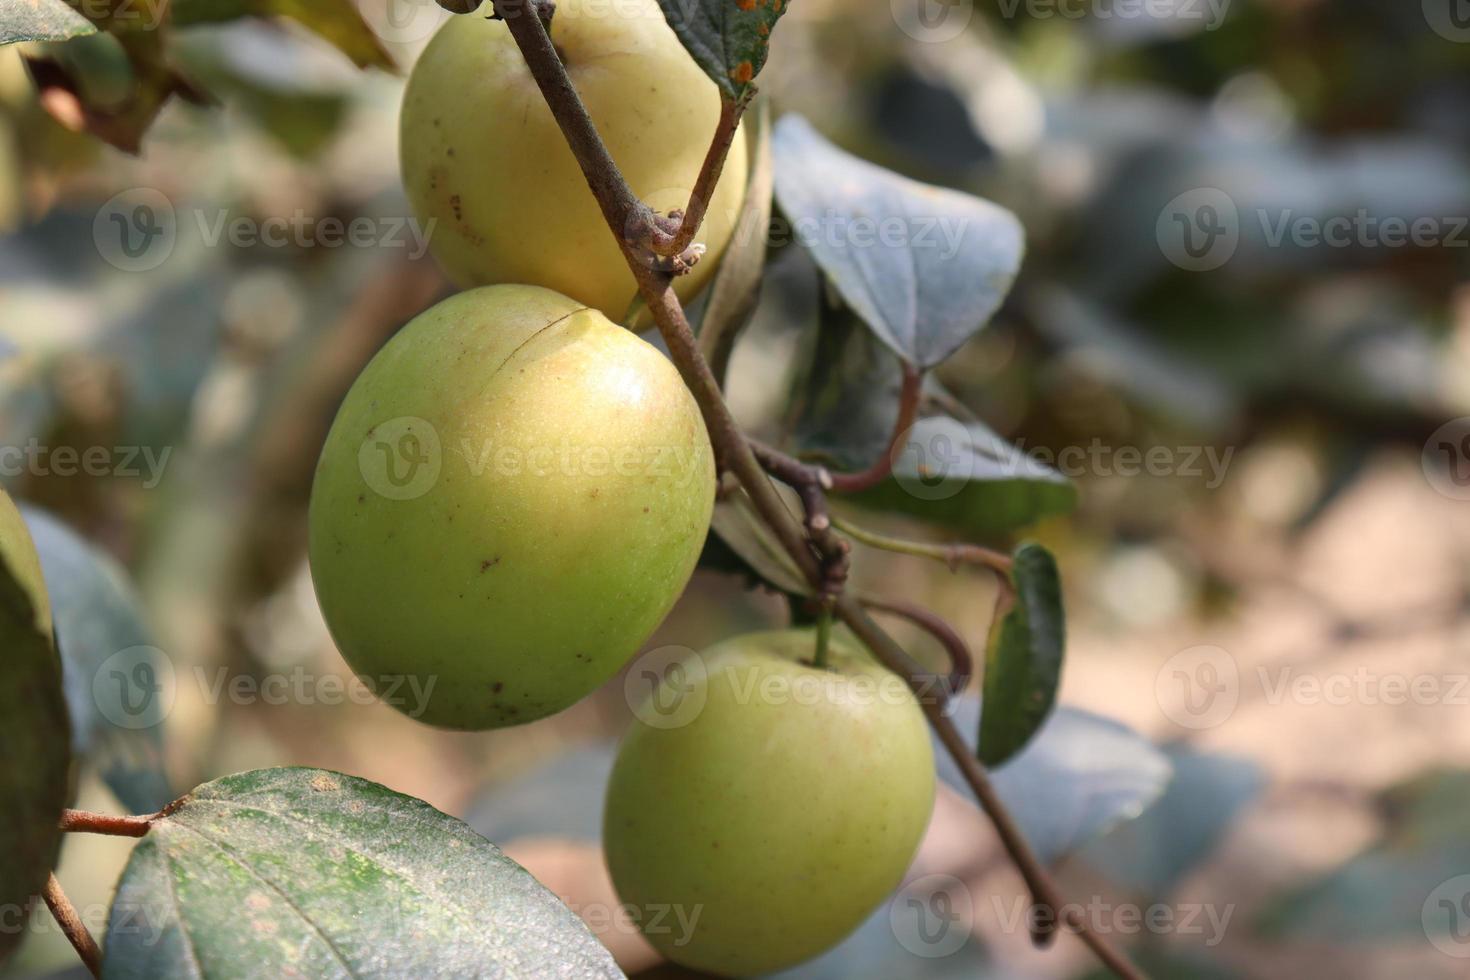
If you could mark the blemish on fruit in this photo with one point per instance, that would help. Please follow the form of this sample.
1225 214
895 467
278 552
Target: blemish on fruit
488 564
497 687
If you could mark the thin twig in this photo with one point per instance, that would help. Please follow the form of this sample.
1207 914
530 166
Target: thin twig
709 176
736 455
882 468
954 555
962 664
72 924
81 821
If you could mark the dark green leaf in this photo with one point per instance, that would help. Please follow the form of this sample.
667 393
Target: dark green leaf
738 525
308 873
729 39
1023 665
116 680
34 731
925 267
844 407
338 21
964 476
737 285
41 20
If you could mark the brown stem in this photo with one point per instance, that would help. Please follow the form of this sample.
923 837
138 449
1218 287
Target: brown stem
882 468
962 664
72 924
735 454
709 175
953 554
81 821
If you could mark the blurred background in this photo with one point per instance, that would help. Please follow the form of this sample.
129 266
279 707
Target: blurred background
1242 329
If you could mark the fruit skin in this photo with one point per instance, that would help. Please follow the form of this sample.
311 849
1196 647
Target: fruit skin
19 553
573 495
784 820
483 158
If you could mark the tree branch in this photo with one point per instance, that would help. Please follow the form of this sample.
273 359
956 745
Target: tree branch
73 926
81 821
962 664
709 177
882 468
736 455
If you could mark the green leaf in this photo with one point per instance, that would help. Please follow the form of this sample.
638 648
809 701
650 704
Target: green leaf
737 285
34 738
41 20
845 405
962 475
729 39
308 873
925 267
738 525
338 21
107 652
1023 666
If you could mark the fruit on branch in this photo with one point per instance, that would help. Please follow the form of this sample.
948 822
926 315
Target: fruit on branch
484 159
780 801
19 553
514 493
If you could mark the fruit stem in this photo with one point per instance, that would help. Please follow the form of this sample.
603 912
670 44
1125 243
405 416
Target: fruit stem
735 454
824 637
71 924
709 175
